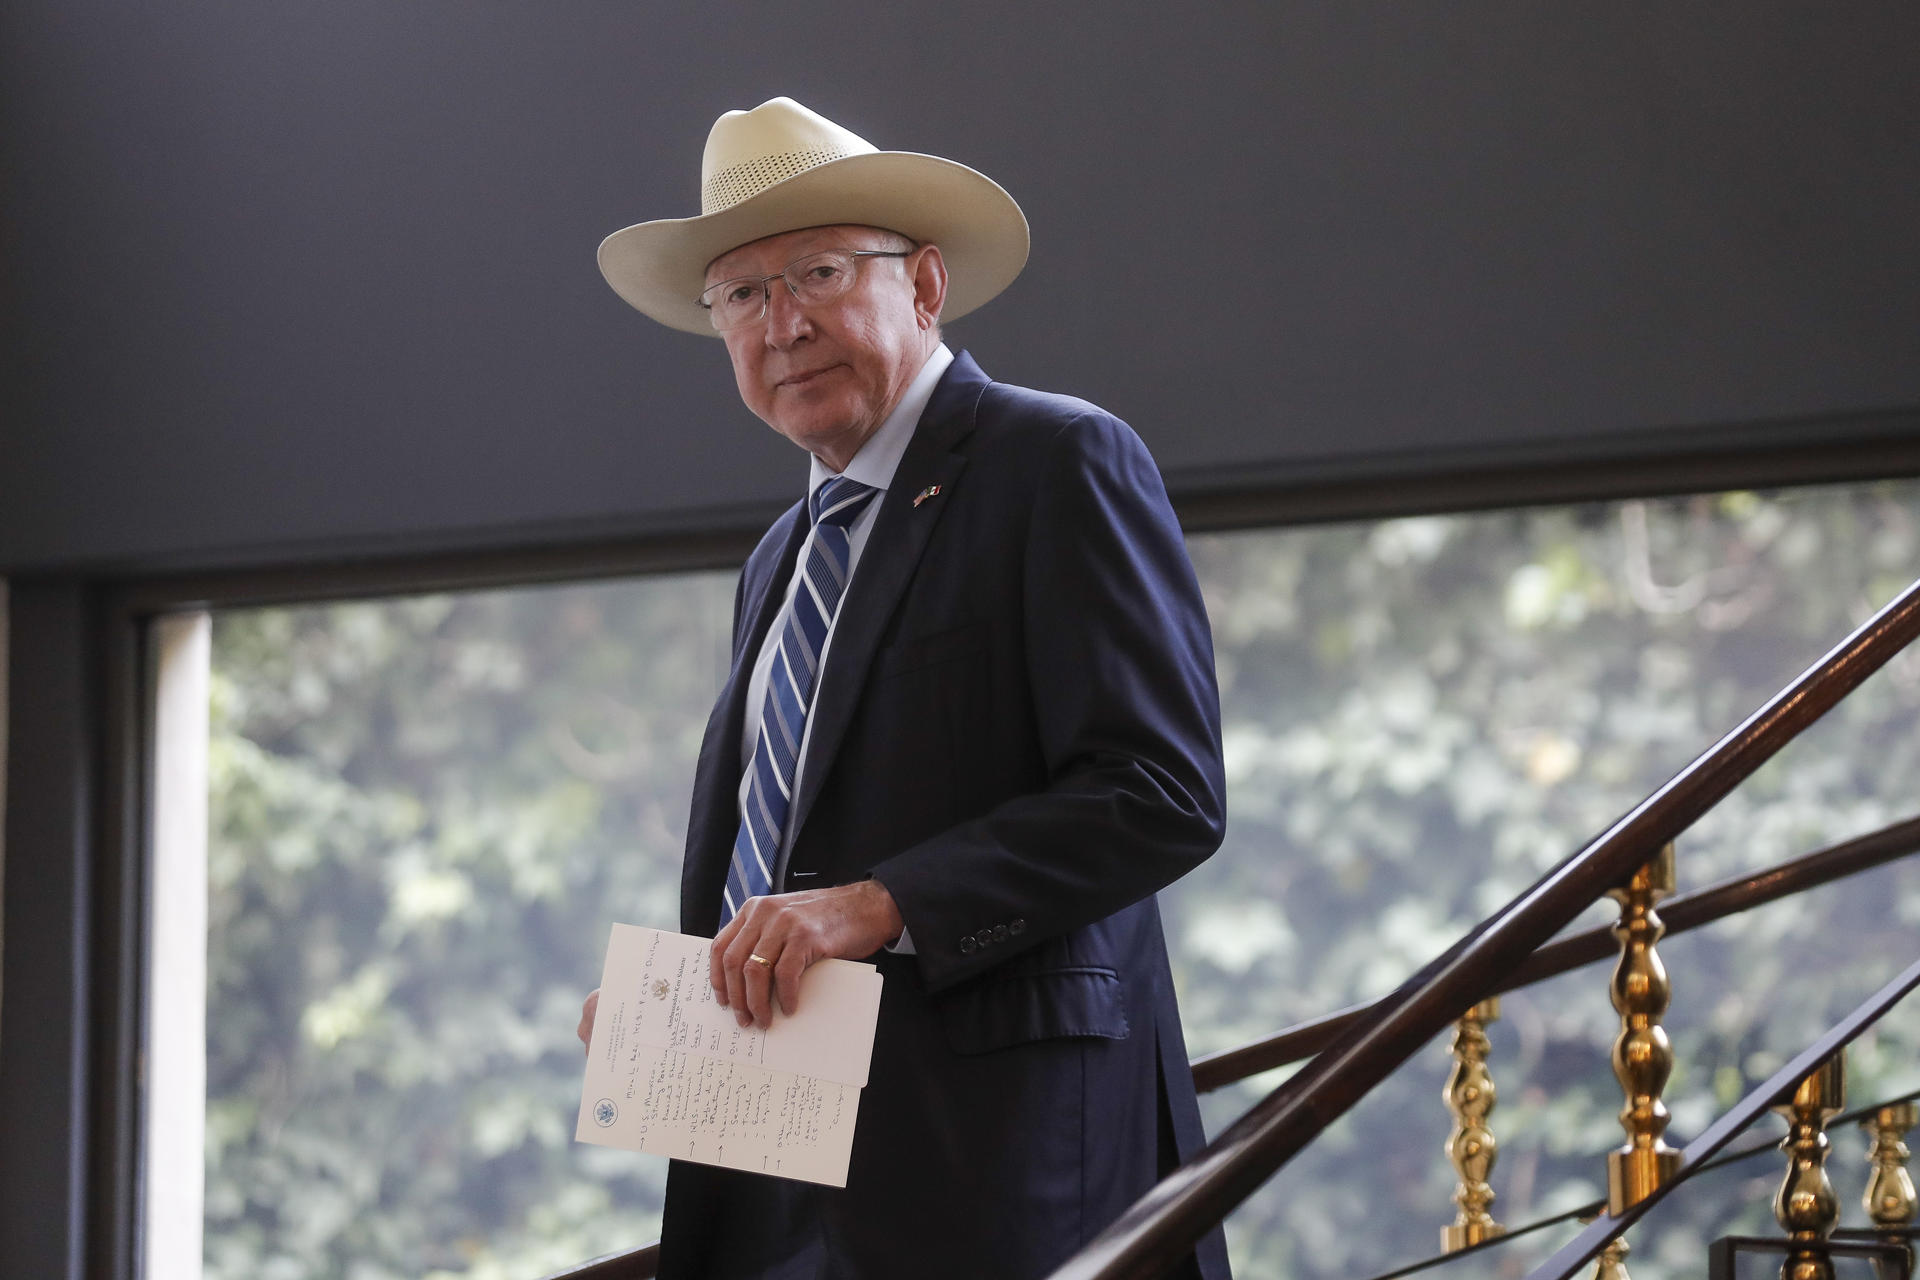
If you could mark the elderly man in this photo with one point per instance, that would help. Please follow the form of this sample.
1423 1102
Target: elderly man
971 727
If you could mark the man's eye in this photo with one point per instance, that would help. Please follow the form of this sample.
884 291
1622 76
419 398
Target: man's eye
737 293
821 272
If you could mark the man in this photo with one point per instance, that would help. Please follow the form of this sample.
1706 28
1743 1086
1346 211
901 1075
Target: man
971 727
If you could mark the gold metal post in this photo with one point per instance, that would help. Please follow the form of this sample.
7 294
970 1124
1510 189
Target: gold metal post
1642 1056
1470 1096
1889 1199
1612 1262
1806 1206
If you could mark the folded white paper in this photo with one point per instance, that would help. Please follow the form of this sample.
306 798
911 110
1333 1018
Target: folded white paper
671 1073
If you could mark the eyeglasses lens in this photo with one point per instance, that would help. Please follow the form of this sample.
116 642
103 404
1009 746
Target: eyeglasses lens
816 278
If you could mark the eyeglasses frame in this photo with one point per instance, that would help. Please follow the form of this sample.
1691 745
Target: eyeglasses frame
765 283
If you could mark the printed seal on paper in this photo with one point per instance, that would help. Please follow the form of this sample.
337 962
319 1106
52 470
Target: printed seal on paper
605 1113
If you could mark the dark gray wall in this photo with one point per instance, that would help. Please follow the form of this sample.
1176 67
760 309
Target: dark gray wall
293 280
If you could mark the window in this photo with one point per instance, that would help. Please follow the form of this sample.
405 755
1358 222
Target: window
424 813
1422 715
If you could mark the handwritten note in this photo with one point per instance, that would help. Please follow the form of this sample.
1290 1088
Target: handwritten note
671 1073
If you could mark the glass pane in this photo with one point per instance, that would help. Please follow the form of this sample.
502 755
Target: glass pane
426 813
1422 715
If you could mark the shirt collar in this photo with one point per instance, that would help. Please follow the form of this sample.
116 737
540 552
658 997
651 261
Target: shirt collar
880 456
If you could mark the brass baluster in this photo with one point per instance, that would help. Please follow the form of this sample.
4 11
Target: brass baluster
1642 1056
1806 1206
1470 1096
1612 1262
1889 1200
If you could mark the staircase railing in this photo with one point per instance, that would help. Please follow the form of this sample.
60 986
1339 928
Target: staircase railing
635 1264
1356 1049
1586 1246
1166 1223
1688 911
1595 1208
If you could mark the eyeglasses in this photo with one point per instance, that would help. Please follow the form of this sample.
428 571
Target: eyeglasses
818 277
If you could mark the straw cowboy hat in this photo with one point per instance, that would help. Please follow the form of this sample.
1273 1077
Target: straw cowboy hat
781 167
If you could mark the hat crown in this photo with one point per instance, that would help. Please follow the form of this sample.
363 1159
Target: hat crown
749 151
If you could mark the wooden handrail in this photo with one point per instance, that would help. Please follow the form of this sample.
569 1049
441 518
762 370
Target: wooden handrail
1164 1225
636 1264
1688 911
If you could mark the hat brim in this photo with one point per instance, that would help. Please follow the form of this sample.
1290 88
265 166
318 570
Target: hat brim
660 267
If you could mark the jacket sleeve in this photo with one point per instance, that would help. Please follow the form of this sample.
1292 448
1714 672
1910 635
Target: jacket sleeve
1119 663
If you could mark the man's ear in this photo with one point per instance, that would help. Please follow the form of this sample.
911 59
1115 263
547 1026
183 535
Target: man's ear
929 284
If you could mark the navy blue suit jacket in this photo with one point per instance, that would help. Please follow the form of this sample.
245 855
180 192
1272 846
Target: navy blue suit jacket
1018 734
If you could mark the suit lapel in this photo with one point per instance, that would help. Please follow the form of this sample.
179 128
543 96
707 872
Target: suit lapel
714 815
900 534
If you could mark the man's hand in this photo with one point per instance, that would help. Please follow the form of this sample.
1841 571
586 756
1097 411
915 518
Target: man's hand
789 931
585 1029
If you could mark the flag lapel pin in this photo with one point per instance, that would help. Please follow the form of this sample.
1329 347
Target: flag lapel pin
931 491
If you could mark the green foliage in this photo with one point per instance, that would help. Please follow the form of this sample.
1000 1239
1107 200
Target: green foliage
428 811
426 815
1423 715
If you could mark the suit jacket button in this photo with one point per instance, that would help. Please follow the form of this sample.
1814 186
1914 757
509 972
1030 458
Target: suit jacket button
966 945
999 933
1017 928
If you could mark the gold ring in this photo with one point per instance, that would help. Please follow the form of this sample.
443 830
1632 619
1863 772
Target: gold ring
755 958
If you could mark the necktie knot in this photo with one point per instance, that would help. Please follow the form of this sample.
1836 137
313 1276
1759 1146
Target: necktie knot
839 501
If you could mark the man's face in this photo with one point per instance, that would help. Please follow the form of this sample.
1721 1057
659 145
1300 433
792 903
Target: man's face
825 375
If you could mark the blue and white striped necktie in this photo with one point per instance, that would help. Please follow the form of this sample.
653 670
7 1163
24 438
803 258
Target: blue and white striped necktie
835 505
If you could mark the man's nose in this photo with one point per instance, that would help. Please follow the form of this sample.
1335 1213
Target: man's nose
787 320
